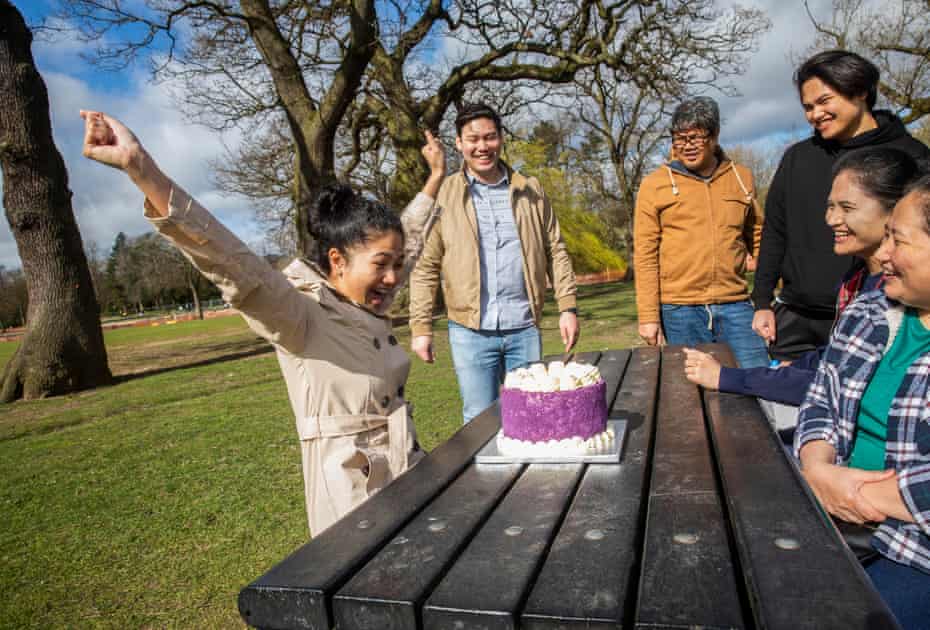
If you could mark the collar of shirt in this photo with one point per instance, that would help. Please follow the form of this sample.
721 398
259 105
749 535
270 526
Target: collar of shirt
474 181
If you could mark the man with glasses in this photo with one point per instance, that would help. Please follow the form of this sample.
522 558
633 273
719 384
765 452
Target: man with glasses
696 224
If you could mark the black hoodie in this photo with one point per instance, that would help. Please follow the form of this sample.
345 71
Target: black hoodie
797 244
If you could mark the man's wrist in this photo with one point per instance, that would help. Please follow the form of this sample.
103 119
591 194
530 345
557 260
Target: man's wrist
570 309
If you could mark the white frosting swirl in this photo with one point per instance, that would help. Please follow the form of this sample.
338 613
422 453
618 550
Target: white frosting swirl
558 377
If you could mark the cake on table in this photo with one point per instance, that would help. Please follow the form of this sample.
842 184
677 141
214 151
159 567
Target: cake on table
559 410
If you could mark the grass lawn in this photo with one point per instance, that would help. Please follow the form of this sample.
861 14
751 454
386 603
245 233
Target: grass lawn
150 503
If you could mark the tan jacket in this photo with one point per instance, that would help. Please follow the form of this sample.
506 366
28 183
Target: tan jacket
451 253
345 372
691 237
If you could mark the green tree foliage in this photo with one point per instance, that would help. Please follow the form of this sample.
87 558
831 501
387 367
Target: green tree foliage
586 234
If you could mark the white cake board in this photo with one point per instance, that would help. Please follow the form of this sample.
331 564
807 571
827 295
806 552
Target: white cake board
489 453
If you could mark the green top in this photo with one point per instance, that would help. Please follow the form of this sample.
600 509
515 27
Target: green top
912 341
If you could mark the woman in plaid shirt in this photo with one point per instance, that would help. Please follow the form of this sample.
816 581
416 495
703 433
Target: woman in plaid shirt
864 428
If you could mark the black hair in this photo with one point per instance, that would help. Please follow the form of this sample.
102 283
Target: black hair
882 172
474 111
342 218
846 72
698 113
921 188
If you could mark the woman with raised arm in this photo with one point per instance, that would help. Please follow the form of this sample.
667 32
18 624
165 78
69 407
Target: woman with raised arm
863 435
325 315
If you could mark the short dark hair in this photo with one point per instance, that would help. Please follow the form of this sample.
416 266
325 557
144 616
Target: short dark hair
474 111
342 218
882 172
846 72
921 188
701 112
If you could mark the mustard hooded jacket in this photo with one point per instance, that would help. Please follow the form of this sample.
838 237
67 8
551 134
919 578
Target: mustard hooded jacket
692 237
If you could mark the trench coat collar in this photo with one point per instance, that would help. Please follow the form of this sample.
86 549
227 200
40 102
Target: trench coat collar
306 275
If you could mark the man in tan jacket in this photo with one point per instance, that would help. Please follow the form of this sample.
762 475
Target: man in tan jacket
493 248
696 223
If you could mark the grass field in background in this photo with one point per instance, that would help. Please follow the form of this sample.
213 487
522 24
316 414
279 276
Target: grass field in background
150 503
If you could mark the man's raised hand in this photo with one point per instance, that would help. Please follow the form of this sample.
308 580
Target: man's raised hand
434 154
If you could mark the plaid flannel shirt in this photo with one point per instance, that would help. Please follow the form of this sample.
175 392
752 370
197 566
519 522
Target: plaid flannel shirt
830 410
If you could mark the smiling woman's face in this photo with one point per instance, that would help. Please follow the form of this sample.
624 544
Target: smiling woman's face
905 254
370 270
857 220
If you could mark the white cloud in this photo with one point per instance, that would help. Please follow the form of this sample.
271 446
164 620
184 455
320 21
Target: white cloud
105 202
768 106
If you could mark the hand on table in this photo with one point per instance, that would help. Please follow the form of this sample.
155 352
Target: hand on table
702 368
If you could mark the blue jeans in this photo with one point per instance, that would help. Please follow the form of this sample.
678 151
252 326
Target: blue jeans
482 358
904 589
691 324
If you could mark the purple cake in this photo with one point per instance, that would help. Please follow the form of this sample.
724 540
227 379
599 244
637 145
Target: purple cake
559 415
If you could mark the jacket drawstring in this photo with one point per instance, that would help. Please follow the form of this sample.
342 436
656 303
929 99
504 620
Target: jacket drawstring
671 178
741 184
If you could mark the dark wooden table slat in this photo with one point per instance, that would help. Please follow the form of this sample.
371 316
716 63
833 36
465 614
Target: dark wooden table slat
798 572
489 581
387 593
589 578
687 577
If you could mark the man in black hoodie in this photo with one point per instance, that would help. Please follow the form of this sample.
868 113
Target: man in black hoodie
838 91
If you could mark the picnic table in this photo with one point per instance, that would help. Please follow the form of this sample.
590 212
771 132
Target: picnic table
704 523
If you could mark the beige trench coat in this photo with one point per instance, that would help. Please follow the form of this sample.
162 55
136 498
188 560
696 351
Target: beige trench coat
345 372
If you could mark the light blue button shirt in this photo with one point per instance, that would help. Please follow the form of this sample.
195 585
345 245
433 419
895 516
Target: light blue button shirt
504 301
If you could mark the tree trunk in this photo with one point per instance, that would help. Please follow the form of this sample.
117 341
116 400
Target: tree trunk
630 274
193 287
63 350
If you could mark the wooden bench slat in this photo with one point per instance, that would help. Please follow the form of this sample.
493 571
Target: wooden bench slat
818 585
687 578
587 581
489 581
387 593
297 592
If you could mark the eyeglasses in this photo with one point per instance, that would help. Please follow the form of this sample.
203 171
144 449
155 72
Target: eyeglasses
696 139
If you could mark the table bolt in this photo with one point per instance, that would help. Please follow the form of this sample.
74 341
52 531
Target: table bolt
400 540
685 538
364 524
788 544
513 530
437 526
594 534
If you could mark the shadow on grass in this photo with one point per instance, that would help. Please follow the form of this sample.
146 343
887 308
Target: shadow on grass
233 356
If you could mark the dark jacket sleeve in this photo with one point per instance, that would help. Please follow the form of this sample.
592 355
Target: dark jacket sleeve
785 384
772 250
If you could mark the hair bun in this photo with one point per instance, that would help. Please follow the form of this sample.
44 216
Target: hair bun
332 204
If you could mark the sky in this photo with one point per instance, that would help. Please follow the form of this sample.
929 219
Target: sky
105 203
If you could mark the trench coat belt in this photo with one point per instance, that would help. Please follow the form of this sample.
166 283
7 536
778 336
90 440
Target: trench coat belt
399 426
